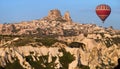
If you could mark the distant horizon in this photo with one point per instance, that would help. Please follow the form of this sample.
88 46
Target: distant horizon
81 11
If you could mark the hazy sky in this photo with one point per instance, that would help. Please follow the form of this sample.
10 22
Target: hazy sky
82 11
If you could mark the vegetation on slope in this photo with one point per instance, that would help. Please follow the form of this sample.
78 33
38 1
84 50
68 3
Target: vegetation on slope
14 65
47 41
41 62
66 59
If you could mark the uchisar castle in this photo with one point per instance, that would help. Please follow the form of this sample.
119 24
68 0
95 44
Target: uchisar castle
56 42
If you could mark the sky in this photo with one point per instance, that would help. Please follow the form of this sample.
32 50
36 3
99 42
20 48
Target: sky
81 11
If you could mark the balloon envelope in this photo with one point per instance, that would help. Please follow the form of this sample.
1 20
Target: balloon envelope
103 11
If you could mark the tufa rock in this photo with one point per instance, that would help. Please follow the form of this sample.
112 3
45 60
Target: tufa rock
54 14
67 17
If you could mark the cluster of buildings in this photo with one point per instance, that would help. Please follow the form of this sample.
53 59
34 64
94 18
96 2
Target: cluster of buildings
53 24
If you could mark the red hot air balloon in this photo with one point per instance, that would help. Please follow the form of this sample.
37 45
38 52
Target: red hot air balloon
103 11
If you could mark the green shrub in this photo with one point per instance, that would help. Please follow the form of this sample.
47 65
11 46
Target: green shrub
22 42
14 65
47 41
43 60
66 59
84 67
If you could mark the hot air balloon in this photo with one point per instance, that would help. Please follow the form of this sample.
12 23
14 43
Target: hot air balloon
103 11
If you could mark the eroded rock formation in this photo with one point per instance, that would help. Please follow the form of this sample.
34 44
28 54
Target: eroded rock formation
67 17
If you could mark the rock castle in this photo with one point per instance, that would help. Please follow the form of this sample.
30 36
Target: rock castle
57 42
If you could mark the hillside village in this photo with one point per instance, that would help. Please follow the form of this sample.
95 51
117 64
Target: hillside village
44 44
53 24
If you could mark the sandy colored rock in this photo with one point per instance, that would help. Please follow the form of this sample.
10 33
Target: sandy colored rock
67 17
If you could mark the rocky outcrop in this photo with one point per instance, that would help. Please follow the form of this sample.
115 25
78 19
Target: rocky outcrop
67 17
95 54
54 14
101 45
55 24
8 29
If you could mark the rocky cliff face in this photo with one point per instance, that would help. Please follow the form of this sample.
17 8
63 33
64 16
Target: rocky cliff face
86 53
55 42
